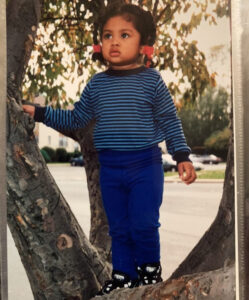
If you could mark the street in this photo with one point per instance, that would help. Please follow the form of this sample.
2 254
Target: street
186 213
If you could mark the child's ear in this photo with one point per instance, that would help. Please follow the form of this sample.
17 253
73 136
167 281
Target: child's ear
141 49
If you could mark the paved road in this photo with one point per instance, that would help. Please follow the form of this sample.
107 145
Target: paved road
186 213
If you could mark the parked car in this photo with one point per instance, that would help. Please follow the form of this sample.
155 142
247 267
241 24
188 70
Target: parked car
205 158
77 161
170 165
198 166
195 158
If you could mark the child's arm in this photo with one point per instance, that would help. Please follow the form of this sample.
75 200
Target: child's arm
30 109
64 119
170 125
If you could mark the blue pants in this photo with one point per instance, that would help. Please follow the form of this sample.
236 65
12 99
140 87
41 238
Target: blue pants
132 189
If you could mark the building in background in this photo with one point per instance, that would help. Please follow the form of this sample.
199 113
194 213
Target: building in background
48 137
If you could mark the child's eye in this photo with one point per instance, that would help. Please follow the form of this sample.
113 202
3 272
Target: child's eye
107 36
125 35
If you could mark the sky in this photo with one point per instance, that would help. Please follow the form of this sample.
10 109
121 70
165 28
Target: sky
212 36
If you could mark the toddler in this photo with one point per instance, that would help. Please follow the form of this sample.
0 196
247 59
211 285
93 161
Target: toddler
134 112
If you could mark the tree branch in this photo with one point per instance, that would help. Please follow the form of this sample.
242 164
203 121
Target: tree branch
213 285
154 11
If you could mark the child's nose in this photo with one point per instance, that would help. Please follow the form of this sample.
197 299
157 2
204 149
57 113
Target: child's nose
115 41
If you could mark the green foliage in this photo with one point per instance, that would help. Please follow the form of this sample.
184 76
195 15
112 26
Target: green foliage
45 155
209 114
51 153
61 155
58 155
218 142
76 153
62 50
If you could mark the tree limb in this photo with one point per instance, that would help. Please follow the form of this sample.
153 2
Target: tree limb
214 285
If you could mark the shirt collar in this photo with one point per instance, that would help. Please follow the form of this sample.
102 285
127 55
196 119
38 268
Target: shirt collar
125 72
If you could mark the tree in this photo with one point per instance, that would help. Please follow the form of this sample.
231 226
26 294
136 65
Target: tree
206 116
218 142
59 260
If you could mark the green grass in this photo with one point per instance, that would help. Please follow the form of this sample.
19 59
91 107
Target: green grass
169 174
204 174
218 174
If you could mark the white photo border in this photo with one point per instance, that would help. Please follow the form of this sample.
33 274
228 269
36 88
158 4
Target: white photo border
3 207
240 75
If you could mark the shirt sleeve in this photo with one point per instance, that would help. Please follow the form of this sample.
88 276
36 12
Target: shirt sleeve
169 123
68 119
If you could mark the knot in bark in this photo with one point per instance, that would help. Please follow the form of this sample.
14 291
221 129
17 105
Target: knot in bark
64 241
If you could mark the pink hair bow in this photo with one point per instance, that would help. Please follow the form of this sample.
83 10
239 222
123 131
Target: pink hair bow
97 48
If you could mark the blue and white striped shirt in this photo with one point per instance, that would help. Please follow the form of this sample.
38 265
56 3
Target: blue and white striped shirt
133 111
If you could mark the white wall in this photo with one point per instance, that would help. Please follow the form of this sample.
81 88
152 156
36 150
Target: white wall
49 137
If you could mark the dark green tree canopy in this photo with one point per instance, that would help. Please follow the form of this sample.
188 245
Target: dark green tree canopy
209 114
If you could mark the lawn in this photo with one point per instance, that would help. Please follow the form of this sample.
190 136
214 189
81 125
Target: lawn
204 174
216 174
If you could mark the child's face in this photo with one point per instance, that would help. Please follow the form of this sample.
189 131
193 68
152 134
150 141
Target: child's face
121 44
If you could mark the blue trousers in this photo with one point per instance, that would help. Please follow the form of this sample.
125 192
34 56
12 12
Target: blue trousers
132 189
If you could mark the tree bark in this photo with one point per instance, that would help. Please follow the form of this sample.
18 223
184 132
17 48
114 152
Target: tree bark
22 20
59 260
99 230
213 285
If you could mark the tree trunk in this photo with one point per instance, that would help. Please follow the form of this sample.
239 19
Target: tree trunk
59 260
99 230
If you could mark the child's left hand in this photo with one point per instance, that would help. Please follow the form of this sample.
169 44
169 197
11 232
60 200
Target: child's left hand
186 172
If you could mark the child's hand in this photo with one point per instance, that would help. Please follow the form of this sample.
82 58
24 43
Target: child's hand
29 109
186 172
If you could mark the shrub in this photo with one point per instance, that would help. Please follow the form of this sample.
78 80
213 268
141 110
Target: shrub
61 155
51 152
45 155
76 153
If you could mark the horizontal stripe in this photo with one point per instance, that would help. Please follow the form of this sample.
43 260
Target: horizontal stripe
133 111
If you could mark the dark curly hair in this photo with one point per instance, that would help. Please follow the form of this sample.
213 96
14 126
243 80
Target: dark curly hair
142 20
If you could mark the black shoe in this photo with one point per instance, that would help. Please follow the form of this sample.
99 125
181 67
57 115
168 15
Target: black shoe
149 273
119 280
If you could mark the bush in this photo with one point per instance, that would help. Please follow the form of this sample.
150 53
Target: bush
76 153
51 152
218 143
61 155
46 156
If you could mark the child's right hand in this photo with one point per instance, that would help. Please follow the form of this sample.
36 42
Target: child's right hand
30 109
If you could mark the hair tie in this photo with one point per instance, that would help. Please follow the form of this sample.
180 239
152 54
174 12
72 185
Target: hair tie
148 51
97 48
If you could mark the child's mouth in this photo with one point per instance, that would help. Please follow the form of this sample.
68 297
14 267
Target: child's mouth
114 53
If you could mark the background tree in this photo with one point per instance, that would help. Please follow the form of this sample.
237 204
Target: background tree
218 142
208 115
59 260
